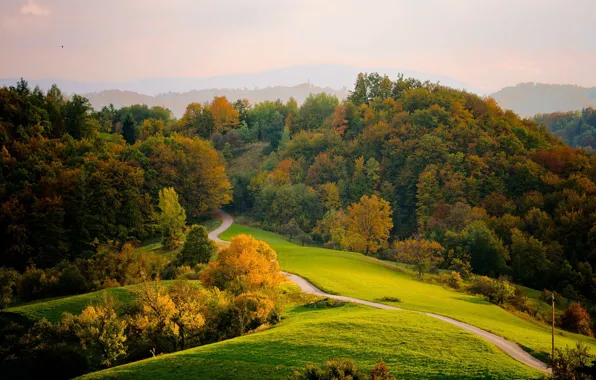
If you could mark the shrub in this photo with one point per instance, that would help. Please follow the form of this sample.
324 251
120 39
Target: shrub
573 364
576 319
389 299
497 291
36 283
342 369
462 267
325 303
380 372
452 280
251 310
71 281
8 284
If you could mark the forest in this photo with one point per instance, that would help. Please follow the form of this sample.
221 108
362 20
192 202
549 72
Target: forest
398 160
577 129
402 160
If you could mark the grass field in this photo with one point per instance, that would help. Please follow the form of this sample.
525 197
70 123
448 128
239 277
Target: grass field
355 275
52 309
413 346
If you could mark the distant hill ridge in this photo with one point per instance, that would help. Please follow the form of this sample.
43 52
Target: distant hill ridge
177 102
529 99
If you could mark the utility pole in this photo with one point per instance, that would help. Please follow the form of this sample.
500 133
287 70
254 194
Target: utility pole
552 357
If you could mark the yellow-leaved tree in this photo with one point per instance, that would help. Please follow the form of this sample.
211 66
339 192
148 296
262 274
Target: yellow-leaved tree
247 265
172 218
100 330
170 318
369 224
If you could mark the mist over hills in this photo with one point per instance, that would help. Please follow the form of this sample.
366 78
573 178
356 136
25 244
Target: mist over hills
526 99
323 75
177 102
529 99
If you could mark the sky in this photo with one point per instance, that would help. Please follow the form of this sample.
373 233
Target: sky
488 44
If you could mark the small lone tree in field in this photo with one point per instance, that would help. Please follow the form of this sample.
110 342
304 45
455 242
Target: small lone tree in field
172 218
576 319
197 248
291 229
423 254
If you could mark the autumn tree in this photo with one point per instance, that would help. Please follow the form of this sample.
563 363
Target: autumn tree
192 167
225 116
576 319
198 120
100 330
421 253
197 249
171 219
369 224
173 314
246 265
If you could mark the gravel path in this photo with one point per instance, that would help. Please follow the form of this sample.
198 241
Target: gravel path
510 348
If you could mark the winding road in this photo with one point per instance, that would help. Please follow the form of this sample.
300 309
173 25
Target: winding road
510 348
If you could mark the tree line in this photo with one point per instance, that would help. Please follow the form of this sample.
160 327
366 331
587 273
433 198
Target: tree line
577 128
66 187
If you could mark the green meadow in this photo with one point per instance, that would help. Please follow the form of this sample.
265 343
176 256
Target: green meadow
412 345
356 275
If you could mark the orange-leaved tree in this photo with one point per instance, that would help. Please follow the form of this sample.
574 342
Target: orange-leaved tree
369 224
247 265
225 116
423 254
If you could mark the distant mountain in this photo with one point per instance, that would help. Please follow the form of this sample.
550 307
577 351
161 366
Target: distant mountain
529 99
322 75
177 102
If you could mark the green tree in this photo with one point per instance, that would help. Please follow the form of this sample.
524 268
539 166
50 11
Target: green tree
197 249
528 259
171 219
129 129
423 254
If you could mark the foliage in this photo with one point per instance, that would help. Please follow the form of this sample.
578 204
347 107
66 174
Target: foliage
66 188
423 254
100 331
8 284
575 128
197 249
189 165
369 224
573 363
497 291
170 318
247 265
251 310
453 280
576 319
172 218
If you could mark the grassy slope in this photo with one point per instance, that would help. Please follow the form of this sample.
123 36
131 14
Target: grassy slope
52 309
413 346
356 275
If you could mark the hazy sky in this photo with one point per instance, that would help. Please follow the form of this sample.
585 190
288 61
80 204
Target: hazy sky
488 44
